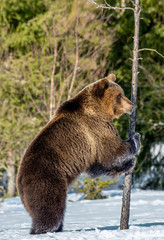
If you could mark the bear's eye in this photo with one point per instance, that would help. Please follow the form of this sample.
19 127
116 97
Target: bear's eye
106 86
119 97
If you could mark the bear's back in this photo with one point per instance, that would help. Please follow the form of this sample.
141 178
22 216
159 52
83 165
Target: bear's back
65 146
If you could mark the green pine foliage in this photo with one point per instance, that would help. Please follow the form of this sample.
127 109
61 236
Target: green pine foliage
92 188
29 31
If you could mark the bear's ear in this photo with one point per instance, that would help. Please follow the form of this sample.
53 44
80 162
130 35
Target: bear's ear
100 87
111 77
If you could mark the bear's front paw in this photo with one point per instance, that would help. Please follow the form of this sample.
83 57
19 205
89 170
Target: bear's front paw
126 166
130 165
137 136
136 139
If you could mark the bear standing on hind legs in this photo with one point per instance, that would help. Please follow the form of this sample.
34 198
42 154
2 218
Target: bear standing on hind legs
81 137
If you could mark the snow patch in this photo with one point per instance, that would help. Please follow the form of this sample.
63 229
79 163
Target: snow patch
92 219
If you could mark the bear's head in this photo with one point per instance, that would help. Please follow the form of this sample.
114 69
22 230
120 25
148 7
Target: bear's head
109 97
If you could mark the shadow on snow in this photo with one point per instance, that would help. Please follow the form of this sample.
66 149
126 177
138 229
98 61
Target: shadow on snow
110 228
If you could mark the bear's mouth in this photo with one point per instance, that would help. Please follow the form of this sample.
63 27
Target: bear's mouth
129 110
128 105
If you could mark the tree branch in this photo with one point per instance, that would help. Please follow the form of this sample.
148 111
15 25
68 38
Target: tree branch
36 106
107 6
137 5
76 63
149 49
53 72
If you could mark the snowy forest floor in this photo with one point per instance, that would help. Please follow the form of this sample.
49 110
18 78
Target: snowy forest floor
91 219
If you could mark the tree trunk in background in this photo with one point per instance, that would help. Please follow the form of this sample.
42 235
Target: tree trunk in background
52 87
128 176
11 174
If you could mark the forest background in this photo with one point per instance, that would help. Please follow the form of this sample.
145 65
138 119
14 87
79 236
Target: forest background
55 48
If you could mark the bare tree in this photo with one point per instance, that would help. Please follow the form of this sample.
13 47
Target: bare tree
76 61
8 163
52 88
128 176
11 174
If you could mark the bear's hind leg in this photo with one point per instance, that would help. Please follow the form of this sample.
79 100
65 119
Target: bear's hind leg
49 217
48 223
42 226
60 229
46 201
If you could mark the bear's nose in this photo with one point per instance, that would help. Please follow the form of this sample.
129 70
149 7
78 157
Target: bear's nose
130 109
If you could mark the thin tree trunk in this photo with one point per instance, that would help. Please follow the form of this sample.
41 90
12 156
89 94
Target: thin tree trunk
76 62
52 97
124 222
11 174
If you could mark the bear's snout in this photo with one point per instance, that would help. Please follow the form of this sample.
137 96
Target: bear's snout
128 105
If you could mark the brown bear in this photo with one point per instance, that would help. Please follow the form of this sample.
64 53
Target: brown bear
81 137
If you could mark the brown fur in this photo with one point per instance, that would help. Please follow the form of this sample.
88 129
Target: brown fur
80 138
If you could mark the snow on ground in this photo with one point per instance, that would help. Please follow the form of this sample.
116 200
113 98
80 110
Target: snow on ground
92 219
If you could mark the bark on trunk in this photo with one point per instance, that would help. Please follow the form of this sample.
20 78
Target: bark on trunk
11 174
52 87
125 213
